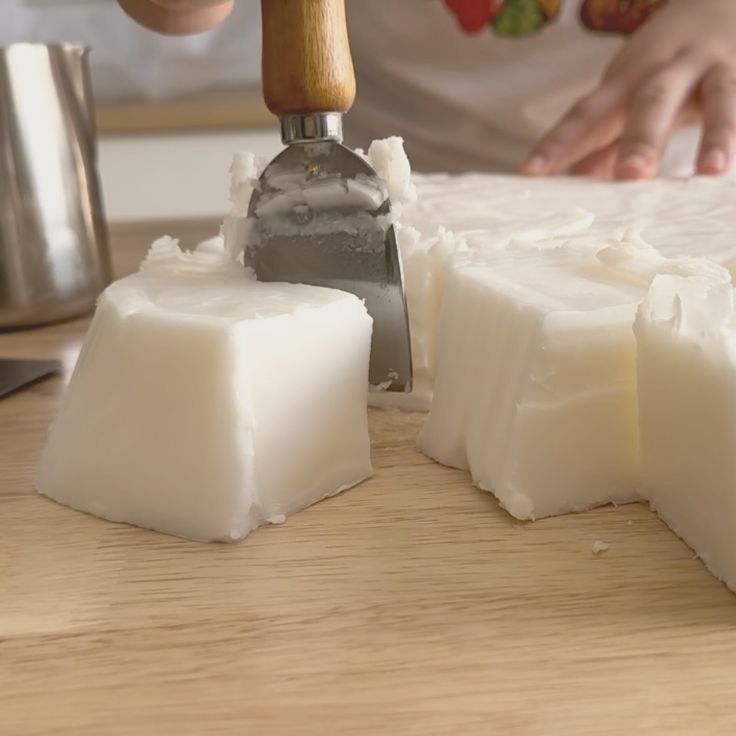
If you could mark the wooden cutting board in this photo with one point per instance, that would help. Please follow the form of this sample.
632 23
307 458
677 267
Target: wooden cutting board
410 605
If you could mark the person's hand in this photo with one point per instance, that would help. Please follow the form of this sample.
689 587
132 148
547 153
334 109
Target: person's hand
679 67
177 16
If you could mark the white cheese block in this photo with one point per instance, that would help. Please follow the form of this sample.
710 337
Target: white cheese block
205 403
535 391
493 209
686 338
695 216
489 212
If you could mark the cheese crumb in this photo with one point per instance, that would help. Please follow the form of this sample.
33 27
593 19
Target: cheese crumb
599 547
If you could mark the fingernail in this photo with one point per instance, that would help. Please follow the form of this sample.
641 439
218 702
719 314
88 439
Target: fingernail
535 165
635 161
714 159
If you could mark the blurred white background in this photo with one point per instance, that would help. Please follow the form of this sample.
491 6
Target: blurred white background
158 174
130 62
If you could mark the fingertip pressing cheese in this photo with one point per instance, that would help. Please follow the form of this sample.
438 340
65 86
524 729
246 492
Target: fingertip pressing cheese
205 403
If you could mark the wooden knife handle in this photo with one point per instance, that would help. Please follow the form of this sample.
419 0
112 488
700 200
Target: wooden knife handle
306 62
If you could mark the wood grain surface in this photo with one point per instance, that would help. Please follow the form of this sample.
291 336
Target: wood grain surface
306 61
410 605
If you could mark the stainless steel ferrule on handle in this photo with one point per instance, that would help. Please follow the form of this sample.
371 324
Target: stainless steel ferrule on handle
319 126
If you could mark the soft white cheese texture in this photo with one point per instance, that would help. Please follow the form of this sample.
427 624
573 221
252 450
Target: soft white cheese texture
686 337
205 403
535 391
694 217
438 215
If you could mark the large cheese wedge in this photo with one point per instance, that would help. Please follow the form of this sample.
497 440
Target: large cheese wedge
205 403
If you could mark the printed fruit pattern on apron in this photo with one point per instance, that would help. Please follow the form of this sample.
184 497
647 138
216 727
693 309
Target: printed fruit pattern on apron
617 16
518 18
504 17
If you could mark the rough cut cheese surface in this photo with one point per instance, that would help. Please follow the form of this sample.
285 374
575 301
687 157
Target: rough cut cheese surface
536 382
438 215
686 338
451 214
537 389
693 217
205 403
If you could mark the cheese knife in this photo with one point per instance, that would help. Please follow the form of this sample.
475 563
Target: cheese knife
16 374
319 214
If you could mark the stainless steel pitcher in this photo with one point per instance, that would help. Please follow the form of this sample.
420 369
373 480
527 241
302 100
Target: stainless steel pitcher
54 254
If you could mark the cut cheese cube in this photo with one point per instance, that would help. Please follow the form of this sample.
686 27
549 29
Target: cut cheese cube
205 403
686 339
536 380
